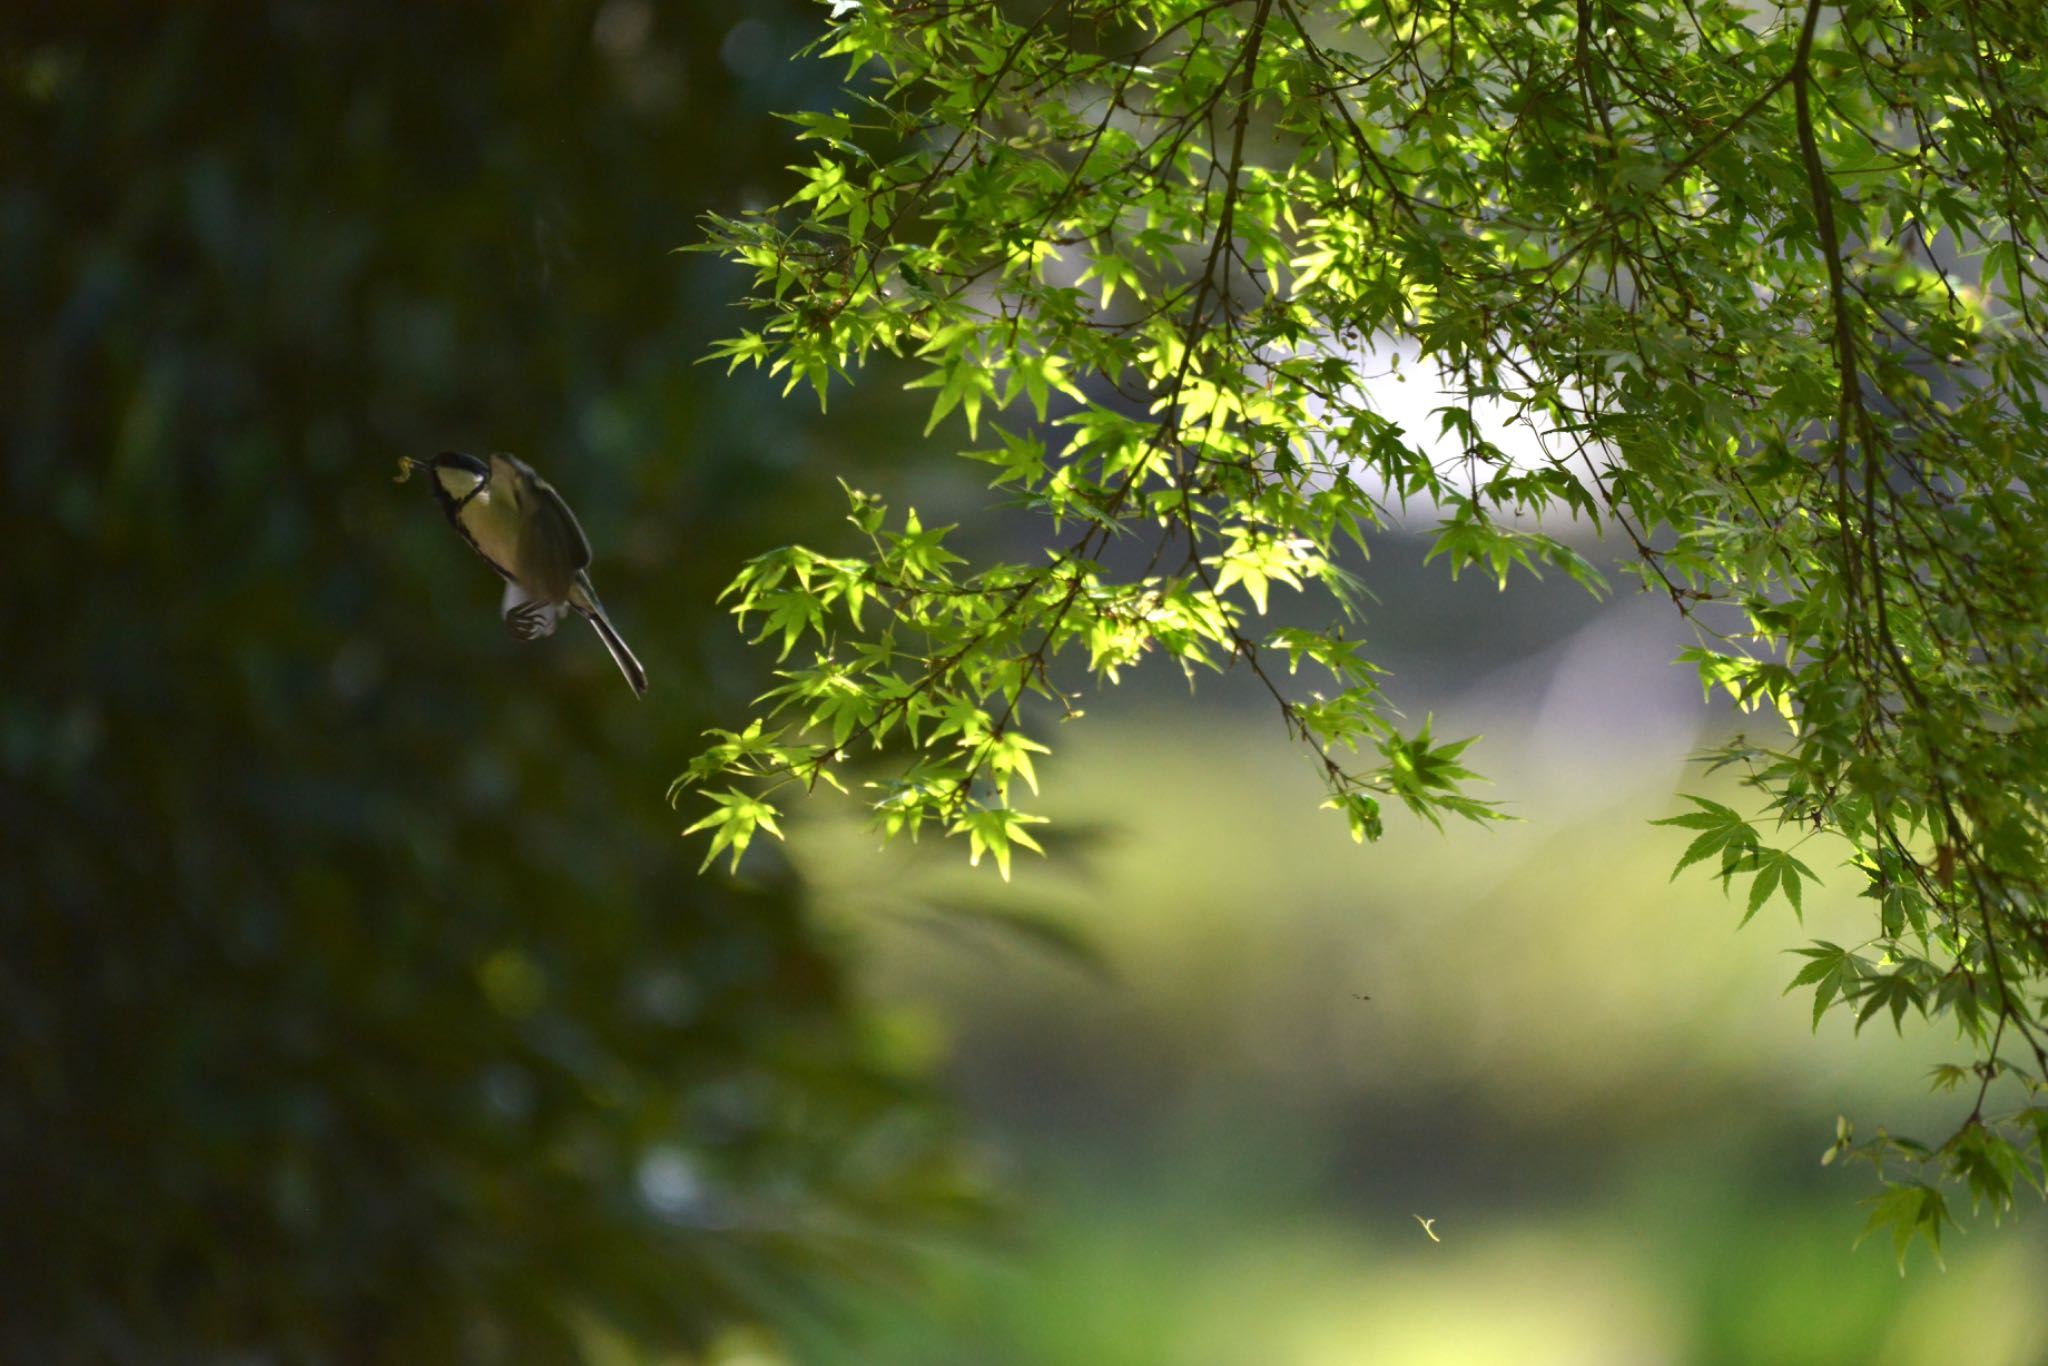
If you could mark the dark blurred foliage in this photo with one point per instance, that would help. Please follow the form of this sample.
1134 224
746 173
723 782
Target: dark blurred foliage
358 1002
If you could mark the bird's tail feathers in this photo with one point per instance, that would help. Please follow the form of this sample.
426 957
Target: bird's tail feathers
585 601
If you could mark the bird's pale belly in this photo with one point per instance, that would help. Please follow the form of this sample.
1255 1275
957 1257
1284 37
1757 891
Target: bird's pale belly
505 537
494 527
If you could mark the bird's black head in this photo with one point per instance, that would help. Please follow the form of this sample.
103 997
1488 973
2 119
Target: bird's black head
461 463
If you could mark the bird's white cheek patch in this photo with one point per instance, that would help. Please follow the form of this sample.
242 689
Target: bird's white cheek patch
459 482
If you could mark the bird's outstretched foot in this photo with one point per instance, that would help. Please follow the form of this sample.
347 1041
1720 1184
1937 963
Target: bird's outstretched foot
531 620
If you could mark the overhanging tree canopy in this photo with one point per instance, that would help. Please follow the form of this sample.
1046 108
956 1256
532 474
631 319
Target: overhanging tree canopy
1760 279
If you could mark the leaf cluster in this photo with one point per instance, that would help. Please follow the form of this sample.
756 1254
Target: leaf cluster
1757 286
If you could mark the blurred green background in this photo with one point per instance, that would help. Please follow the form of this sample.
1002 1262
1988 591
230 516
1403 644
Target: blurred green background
358 1002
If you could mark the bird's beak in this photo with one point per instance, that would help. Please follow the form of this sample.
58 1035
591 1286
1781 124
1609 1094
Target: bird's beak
406 465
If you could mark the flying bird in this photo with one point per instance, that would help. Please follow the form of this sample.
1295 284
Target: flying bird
516 521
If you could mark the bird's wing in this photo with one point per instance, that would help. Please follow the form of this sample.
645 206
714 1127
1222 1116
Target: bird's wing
552 550
528 618
557 512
